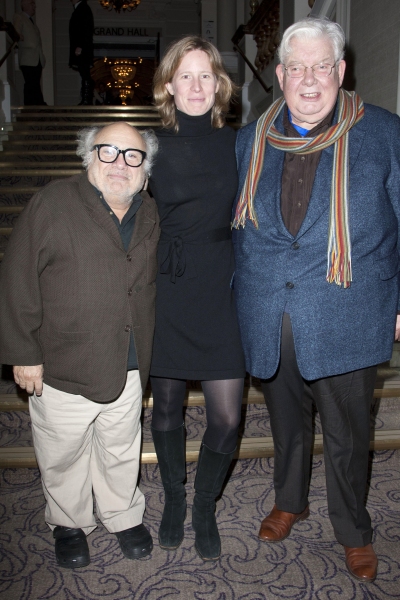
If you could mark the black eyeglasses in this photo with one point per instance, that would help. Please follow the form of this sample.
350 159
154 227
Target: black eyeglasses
109 154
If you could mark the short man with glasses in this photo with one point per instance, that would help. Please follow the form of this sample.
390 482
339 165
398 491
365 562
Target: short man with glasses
317 277
77 312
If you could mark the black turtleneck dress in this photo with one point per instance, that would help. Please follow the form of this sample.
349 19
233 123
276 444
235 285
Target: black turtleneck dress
194 183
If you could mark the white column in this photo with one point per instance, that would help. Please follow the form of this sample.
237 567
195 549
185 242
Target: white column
343 16
242 12
301 10
226 24
8 76
249 48
209 20
44 20
398 87
11 7
5 106
226 27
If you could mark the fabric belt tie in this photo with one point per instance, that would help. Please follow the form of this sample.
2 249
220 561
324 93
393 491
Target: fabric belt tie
351 111
175 260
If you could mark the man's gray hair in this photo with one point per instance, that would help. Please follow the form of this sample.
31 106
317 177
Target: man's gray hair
87 136
312 28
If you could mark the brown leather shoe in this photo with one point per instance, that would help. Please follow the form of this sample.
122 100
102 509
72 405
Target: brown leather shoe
277 526
362 562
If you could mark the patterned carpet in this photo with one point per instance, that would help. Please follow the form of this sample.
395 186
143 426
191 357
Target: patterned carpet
309 565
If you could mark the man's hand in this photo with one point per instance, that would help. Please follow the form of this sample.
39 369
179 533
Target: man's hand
397 330
29 378
78 51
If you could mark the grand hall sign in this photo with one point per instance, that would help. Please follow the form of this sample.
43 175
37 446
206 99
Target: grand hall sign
128 31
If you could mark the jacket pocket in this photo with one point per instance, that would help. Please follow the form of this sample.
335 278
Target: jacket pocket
68 355
388 266
151 259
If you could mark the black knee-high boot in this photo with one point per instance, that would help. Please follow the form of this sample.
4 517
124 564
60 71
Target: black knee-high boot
170 450
211 472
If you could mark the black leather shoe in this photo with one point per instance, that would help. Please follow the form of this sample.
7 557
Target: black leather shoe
71 547
135 542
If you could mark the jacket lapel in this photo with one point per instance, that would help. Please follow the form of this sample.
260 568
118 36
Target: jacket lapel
268 197
144 222
320 196
98 212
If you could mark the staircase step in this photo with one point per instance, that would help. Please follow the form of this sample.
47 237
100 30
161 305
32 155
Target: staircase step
10 210
53 172
15 402
21 166
18 189
387 386
84 109
14 142
38 137
57 128
66 119
99 116
24 456
31 153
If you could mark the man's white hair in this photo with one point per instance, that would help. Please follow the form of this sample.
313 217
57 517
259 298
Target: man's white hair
312 28
87 136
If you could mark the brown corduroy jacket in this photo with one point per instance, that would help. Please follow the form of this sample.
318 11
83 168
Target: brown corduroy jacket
70 295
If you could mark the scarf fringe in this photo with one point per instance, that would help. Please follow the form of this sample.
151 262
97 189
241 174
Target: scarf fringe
339 270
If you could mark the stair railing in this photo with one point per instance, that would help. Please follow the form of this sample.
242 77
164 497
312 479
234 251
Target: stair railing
239 34
264 27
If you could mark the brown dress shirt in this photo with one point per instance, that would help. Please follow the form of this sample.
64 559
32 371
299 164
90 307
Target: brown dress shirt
298 176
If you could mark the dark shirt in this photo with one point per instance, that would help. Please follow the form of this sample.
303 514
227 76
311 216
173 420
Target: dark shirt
125 228
298 176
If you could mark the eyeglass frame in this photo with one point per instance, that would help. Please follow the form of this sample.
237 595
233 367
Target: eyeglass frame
312 68
119 151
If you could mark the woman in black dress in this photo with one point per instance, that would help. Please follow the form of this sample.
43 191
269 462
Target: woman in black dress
194 183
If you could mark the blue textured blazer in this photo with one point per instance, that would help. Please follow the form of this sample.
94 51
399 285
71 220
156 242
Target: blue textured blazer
335 330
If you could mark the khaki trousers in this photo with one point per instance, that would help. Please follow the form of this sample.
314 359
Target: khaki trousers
83 446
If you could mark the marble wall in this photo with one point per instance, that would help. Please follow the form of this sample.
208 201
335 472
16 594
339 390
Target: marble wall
373 53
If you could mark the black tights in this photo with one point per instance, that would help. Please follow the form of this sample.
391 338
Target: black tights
223 409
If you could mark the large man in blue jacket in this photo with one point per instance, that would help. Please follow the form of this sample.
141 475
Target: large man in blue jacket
317 280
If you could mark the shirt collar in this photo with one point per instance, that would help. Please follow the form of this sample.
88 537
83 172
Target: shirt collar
292 131
131 212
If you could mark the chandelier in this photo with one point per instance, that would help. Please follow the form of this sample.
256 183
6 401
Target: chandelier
124 71
119 5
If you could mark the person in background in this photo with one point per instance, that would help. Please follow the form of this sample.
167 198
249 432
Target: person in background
81 26
30 53
194 183
317 277
77 298
102 96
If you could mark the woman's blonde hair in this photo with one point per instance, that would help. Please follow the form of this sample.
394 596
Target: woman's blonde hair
176 51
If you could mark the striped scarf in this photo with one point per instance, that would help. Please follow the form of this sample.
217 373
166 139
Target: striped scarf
351 110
